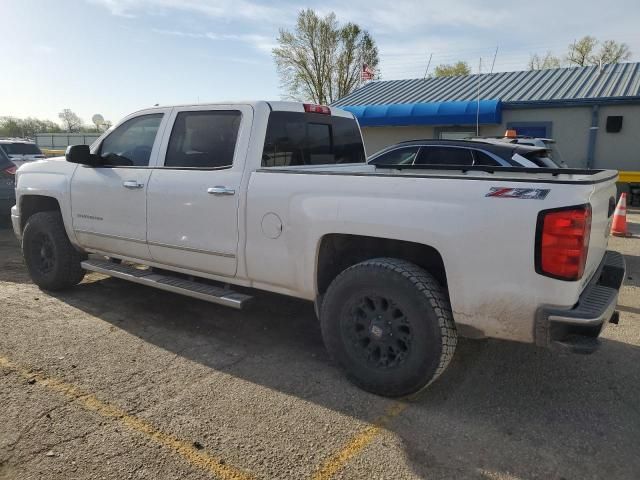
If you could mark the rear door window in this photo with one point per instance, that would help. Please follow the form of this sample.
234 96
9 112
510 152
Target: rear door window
444 156
203 139
483 159
400 156
296 138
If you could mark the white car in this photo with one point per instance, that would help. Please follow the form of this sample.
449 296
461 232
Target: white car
277 196
21 151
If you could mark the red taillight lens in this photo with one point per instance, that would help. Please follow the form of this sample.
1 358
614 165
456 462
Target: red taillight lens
562 242
312 108
10 170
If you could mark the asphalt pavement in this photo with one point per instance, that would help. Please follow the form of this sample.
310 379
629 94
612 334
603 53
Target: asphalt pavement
115 380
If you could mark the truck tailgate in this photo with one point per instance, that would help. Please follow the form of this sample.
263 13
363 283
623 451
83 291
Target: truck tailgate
602 200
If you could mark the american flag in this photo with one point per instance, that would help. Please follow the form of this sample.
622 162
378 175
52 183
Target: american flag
367 73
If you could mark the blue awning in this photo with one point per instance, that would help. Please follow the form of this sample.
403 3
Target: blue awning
432 113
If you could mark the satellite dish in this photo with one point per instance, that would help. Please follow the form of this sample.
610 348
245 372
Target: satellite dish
97 119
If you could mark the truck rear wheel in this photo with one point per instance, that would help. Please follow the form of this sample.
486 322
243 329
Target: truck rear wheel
388 324
52 261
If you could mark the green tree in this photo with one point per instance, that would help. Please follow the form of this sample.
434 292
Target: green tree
26 127
320 60
585 52
10 127
543 62
453 70
31 126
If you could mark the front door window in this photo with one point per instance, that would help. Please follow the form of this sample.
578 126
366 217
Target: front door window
131 143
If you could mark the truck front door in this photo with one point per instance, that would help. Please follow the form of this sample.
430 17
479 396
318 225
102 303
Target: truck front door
108 202
194 194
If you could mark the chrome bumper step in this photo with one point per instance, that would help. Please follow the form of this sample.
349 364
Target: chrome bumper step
202 291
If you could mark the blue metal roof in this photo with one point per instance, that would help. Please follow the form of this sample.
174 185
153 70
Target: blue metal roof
616 82
434 113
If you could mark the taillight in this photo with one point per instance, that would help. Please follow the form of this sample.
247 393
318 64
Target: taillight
312 108
10 170
562 242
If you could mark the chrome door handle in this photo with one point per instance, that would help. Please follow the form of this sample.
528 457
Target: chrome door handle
220 190
132 184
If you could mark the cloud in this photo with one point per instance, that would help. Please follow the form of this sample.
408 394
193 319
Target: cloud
219 9
262 43
408 31
44 49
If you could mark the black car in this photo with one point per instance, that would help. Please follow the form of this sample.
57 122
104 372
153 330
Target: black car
461 153
7 186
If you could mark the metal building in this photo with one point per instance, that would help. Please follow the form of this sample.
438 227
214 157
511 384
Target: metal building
593 113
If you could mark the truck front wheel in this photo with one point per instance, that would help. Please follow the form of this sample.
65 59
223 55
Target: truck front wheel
52 261
388 324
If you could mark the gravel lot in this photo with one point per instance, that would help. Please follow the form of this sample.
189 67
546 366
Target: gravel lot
114 380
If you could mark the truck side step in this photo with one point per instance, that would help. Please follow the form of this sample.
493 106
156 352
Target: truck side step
169 283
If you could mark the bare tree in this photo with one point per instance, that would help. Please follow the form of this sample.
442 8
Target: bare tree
455 69
581 51
584 52
320 60
543 62
612 52
70 121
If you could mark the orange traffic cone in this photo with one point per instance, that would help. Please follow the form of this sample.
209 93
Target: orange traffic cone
619 224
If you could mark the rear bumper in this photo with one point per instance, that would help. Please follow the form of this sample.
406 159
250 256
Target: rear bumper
578 328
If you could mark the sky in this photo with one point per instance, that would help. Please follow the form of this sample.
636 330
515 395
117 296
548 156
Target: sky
114 57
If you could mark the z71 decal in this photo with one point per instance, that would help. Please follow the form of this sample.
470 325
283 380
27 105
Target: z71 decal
525 193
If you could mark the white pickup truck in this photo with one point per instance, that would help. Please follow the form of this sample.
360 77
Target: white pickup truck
213 201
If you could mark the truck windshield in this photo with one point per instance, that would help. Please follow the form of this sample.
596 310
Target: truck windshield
296 138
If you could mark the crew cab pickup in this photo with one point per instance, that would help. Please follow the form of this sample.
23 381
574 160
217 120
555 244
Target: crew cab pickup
214 201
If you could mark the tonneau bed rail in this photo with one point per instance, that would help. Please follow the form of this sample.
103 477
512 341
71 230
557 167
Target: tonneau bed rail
494 169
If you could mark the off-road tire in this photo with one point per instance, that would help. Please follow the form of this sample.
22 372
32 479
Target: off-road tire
45 233
429 332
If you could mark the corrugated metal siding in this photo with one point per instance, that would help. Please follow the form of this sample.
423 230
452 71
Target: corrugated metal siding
559 84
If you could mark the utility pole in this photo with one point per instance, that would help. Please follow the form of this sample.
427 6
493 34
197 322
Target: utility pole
428 64
494 59
478 105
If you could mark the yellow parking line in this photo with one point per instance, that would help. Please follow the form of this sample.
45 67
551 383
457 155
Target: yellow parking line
338 460
92 403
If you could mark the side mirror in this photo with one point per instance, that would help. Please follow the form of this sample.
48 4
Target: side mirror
82 155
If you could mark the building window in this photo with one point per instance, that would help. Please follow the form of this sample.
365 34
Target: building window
456 135
531 129
453 133
614 123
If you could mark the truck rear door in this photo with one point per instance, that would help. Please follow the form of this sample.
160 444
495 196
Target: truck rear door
194 194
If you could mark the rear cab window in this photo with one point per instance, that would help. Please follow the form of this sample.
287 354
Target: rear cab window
297 138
